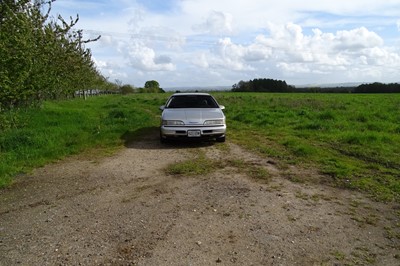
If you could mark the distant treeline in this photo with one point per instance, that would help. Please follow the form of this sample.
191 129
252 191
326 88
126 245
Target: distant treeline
375 87
262 85
271 85
378 88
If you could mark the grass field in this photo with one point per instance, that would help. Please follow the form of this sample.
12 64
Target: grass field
58 129
353 139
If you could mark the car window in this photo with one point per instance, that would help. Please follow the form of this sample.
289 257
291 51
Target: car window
192 101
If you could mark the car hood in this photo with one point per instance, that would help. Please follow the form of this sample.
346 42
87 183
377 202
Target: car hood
193 116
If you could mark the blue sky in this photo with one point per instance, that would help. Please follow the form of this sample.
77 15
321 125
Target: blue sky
182 43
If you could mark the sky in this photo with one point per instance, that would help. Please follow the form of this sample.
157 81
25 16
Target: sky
205 43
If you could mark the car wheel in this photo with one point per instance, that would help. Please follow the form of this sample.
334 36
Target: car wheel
221 139
163 139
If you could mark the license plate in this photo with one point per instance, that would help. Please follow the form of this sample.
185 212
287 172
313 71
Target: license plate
194 133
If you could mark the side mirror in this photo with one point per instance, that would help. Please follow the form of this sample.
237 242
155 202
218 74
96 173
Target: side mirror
162 107
222 107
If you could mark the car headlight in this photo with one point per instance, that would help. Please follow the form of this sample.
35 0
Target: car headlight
214 122
172 123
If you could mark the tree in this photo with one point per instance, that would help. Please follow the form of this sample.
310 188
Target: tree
127 89
40 58
262 85
152 86
378 87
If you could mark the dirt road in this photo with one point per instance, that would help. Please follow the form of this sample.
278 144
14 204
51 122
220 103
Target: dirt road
125 210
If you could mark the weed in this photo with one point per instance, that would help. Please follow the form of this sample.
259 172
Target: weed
291 218
199 166
362 255
259 173
294 177
301 195
391 233
340 256
256 172
238 163
355 203
372 220
316 197
276 187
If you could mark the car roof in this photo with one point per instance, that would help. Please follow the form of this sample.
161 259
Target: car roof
190 93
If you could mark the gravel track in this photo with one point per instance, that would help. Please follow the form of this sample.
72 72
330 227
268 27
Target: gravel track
125 210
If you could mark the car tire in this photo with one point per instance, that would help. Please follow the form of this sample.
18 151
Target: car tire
163 139
221 139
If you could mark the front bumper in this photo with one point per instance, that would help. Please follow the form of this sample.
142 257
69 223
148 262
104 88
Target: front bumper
172 131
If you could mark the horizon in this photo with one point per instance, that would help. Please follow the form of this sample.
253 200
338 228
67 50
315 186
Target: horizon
301 86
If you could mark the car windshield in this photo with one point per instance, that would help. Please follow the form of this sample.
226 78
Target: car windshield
192 101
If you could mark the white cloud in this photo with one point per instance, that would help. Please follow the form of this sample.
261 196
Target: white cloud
100 63
289 44
294 68
364 74
106 40
379 56
357 39
228 55
257 52
162 59
159 36
200 60
217 23
144 58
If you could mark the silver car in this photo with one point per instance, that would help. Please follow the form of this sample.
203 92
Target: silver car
192 115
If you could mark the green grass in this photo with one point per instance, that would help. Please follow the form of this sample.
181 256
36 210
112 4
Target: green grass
34 137
353 139
201 165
